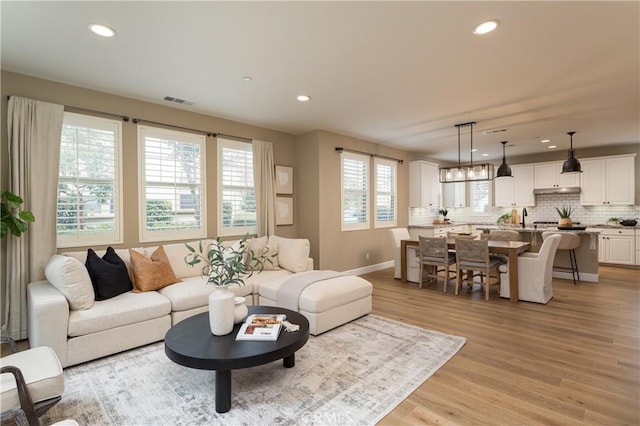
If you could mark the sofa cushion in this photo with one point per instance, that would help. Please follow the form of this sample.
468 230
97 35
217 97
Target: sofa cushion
293 253
42 371
72 279
258 278
124 309
267 246
176 254
151 273
108 274
322 295
194 292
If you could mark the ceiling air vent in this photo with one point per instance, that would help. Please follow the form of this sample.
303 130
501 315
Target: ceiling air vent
494 131
177 100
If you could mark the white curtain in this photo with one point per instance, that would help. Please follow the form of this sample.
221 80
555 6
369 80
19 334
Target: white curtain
34 129
264 183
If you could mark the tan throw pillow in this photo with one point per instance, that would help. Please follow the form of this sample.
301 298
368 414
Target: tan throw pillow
151 274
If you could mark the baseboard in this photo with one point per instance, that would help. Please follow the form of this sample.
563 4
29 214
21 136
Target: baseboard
592 278
371 268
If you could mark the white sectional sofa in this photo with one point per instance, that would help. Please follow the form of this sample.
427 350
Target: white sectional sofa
134 319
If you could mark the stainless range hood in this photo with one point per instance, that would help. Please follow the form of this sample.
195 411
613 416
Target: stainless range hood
561 190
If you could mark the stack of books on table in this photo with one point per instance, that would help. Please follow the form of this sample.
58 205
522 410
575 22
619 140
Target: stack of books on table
261 327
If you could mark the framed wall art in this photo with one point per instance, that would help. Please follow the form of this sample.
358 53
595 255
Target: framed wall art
284 211
284 180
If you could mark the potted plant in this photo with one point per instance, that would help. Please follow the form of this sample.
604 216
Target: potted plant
13 219
442 215
224 266
565 215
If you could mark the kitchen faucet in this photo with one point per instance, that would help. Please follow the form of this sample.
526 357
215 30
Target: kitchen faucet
524 214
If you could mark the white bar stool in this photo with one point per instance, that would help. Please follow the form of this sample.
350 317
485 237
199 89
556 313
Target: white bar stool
568 241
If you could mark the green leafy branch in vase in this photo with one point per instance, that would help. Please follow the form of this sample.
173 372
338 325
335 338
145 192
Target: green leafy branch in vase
225 266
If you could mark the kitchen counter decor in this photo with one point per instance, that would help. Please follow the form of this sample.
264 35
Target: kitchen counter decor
565 216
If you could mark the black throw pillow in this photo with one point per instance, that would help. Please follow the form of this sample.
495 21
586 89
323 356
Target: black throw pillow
109 275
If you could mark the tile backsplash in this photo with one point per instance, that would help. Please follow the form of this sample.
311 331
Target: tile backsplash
544 210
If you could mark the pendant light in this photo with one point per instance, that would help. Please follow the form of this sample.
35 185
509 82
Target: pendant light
469 172
571 164
504 170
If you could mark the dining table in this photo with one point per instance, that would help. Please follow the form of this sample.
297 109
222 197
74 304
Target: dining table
509 248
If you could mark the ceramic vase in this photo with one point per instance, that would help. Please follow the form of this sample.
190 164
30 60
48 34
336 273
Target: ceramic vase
240 310
221 307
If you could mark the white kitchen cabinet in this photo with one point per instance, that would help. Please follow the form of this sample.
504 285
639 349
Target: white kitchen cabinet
549 175
424 185
442 231
608 181
617 246
517 190
454 194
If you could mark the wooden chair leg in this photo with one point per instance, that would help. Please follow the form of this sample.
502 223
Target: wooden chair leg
457 281
420 276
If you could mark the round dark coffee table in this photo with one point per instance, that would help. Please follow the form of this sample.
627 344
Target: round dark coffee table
190 343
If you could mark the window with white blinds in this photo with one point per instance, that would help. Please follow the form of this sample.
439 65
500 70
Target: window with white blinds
237 203
89 207
172 184
385 191
355 191
480 196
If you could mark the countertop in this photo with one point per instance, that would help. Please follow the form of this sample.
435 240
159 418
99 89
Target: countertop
591 228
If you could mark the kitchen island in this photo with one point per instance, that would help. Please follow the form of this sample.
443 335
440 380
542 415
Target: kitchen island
586 254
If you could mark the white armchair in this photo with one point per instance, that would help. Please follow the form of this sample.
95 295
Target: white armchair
534 273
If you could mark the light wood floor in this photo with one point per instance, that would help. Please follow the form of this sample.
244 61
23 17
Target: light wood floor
575 360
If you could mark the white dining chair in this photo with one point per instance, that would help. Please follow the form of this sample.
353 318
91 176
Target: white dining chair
535 272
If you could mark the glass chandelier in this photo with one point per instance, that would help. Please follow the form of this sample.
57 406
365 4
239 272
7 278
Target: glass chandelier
468 172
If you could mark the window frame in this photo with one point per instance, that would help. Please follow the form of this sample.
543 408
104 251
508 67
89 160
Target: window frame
473 191
117 236
146 235
394 192
365 159
230 231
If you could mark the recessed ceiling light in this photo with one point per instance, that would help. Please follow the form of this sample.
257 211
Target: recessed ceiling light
247 78
545 140
474 150
486 27
102 30
303 98
552 146
485 155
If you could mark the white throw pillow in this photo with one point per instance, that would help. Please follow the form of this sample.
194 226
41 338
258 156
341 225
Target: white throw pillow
293 253
176 254
257 245
71 278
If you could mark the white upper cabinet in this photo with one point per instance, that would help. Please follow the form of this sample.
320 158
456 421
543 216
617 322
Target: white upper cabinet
608 181
424 186
516 190
549 175
454 194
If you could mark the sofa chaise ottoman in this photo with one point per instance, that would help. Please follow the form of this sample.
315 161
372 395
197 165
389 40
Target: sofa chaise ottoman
327 299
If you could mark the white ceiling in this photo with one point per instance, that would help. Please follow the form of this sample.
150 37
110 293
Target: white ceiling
396 73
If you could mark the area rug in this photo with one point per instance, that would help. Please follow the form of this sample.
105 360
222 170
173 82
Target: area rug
352 375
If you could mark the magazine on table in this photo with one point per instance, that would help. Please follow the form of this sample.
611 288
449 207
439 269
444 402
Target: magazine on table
261 327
